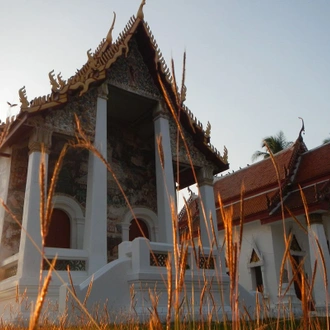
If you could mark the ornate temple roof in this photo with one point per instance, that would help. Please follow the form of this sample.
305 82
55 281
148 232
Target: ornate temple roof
94 72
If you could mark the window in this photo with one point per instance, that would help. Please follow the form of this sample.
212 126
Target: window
297 254
256 265
257 279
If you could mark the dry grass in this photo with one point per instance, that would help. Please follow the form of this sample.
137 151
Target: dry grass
176 275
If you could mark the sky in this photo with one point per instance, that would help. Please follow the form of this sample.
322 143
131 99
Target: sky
253 66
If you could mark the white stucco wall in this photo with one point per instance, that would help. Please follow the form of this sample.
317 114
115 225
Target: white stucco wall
268 239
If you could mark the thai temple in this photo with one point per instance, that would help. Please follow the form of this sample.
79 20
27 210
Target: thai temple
106 151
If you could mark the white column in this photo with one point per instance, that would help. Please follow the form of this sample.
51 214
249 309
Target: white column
125 231
95 233
316 231
164 175
5 163
205 183
80 223
29 259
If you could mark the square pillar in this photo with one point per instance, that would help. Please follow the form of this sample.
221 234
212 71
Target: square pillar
29 259
316 232
164 175
207 209
95 233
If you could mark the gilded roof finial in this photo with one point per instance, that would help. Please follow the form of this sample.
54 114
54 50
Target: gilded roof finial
225 155
140 14
109 35
53 82
91 60
208 130
302 130
183 93
23 98
60 80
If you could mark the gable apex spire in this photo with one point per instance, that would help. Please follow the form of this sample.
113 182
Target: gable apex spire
109 35
302 130
140 13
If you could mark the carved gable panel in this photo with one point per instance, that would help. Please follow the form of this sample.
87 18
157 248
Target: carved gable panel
198 158
132 74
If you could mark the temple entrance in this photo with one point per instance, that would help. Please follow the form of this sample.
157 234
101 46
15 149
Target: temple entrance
59 233
138 228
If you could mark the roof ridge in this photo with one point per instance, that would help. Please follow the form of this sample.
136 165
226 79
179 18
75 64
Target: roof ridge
94 70
290 174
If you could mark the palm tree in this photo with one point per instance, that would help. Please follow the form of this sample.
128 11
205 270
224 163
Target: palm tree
327 140
274 143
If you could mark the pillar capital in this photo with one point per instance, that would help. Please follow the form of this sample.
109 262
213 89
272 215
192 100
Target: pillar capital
159 111
205 176
103 91
315 218
41 138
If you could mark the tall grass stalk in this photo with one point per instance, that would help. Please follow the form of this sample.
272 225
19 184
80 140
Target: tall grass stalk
176 262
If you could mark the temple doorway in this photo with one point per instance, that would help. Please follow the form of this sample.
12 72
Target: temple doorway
59 233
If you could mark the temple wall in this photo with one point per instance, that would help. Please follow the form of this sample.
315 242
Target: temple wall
133 163
72 179
15 199
63 121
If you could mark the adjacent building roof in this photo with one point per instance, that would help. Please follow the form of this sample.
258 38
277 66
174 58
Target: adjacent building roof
261 187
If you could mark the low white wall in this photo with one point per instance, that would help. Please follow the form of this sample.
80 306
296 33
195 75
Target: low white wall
124 286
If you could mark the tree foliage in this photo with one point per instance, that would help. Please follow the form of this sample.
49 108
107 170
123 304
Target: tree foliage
274 144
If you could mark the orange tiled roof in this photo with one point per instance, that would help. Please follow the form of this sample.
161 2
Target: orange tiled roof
297 167
314 164
258 177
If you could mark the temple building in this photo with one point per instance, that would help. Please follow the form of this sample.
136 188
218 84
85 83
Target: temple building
108 148
284 206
